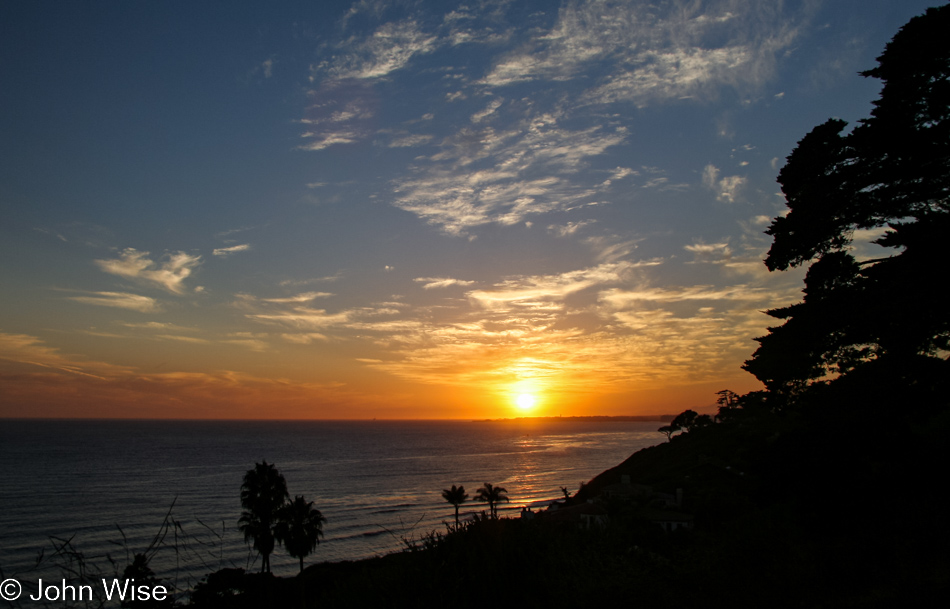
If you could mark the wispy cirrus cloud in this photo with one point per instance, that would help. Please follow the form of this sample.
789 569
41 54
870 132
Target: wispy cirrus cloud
169 273
224 252
488 111
514 159
33 351
305 318
302 282
533 333
726 188
432 283
710 252
566 230
169 332
620 298
304 338
324 138
389 48
298 298
120 300
565 329
157 325
343 102
485 176
41 380
339 112
549 288
409 141
644 53
184 339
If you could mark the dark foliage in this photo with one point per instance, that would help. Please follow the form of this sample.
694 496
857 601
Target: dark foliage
299 528
456 496
492 495
142 574
891 172
787 514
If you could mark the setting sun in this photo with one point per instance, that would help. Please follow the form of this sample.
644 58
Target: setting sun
525 401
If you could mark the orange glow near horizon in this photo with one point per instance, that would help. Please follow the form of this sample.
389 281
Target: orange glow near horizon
46 382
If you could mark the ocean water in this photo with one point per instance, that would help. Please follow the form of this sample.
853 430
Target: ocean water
108 485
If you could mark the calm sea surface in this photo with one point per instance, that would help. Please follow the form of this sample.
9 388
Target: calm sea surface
108 485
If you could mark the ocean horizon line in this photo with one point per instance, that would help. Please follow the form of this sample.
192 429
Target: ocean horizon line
578 418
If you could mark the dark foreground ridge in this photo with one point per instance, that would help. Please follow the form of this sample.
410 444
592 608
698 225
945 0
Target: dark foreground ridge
762 509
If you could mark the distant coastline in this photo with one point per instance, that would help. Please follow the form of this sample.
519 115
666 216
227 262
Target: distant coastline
660 418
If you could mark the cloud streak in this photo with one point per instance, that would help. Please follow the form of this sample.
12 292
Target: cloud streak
170 273
484 176
726 188
433 283
120 300
517 159
653 52
388 49
224 252
549 288
40 380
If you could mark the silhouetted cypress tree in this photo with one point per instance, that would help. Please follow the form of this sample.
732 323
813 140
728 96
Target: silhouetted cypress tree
883 320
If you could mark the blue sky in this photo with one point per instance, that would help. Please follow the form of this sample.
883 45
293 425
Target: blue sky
403 209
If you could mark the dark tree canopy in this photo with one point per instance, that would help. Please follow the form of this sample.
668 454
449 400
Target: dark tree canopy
263 492
492 495
892 168
456 496
890 173
299 527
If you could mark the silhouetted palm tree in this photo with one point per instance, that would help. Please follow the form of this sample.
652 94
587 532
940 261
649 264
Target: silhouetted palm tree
262 494
456 496
299 527
491 495
259 532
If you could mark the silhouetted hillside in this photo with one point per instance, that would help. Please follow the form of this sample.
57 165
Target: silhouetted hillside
783 513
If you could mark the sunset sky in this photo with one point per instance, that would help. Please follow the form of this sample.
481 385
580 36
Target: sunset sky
403 209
